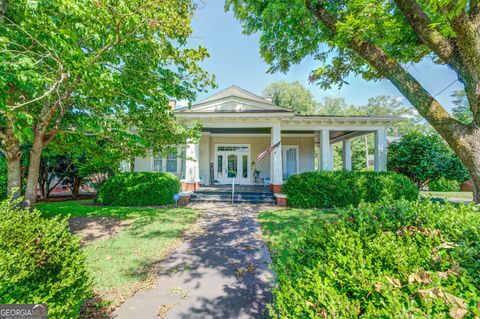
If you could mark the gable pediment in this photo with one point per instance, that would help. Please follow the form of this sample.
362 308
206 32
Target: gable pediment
234 100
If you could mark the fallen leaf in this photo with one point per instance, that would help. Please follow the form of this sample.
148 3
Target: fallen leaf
447 245
454 300
378 286
395 282
457 313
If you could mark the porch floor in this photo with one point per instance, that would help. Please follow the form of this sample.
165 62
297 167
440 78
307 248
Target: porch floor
238 189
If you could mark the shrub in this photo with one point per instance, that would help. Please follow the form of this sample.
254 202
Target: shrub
398 260
341 189
41 262
3 178
444 185
139 189
424 157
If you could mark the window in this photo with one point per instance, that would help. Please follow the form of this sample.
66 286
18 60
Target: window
172 163
220 165
245 166
290 161
157 164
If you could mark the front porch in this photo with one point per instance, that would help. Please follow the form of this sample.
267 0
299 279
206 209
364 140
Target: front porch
224 154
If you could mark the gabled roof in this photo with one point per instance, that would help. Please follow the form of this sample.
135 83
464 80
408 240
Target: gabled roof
234 100
235 91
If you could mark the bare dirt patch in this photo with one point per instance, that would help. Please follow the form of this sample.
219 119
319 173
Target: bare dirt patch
94 228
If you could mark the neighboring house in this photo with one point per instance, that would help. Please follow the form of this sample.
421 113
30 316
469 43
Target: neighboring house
239 125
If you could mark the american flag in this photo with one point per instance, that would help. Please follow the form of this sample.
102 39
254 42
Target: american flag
268 151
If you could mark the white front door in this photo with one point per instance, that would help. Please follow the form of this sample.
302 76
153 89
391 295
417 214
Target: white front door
232 162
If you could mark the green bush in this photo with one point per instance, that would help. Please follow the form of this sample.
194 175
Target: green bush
342 189
139 189
41 262
3 178
397 260
444 185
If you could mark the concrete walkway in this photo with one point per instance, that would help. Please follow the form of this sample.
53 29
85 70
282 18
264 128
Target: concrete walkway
221 273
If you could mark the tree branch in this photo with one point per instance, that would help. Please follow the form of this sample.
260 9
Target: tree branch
468 42
429 35
427 106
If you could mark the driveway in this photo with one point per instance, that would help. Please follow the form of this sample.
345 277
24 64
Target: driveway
223 272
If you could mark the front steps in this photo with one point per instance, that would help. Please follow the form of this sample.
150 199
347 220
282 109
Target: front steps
225 196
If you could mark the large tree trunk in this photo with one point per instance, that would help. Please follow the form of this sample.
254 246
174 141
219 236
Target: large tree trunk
33 171
14 170
77 182
470 157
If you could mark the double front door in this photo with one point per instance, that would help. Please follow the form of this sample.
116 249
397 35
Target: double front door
232 162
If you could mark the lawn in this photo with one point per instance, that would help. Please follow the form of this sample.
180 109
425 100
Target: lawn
454 196
289 225
120 261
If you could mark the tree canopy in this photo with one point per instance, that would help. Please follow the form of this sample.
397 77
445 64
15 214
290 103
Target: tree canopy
425 158
291 95
103 67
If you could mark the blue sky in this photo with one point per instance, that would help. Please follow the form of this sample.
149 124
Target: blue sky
235 59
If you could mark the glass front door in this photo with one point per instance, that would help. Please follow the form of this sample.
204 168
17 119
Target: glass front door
232 163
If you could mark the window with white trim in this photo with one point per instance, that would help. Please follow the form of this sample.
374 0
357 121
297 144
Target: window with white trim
289 160
171 166
173 163
157 164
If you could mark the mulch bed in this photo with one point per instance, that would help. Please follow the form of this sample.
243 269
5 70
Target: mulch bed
61 198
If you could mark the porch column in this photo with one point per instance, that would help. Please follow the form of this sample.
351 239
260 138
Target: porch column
347 155
380 155
276 171
325 157
317 151
192 172
332 154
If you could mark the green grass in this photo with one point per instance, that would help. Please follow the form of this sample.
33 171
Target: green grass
289 225
457 196
119 265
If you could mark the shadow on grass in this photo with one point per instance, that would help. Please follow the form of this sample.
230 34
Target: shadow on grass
87 208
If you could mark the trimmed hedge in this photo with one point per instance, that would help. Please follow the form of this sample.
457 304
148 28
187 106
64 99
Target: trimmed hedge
444 185
139 189
41 262
342 189
386 260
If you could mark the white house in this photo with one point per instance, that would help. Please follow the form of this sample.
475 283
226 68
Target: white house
238 125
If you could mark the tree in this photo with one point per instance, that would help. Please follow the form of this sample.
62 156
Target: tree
333 106
378 39
291 95
424 158
97 67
